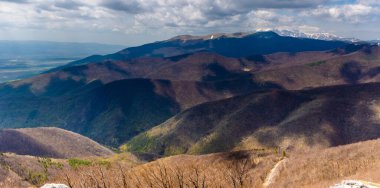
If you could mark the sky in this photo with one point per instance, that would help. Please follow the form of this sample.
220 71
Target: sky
134 22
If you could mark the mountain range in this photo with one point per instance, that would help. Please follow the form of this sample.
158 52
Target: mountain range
203 95
115 97
133 95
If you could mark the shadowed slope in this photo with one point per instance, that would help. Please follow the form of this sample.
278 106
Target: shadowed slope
115 112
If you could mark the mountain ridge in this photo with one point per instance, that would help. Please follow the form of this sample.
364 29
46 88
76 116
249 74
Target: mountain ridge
226 45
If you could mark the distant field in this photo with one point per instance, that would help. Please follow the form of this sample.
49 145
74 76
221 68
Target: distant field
12 69
21 59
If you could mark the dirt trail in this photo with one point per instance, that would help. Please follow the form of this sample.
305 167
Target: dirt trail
274 172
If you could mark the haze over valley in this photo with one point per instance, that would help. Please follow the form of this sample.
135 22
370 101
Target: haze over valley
22 59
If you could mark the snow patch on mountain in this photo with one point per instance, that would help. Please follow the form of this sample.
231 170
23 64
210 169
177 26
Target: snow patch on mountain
319 36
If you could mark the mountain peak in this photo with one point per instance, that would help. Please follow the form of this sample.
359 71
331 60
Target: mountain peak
210 36
265 34
259 34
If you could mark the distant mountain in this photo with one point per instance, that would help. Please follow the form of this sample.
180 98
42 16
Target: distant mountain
230 45
49 142
375 42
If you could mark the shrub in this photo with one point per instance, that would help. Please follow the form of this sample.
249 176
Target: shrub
36 178
314 64
48 163
76 163
104 163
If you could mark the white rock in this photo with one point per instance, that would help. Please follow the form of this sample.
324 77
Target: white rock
352 184
53 185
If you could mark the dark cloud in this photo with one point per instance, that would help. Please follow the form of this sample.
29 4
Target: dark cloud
218 9
129 6
15 1
53 6
279 3
68 4
210 9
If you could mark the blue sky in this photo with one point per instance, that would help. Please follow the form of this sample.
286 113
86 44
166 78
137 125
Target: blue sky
133 22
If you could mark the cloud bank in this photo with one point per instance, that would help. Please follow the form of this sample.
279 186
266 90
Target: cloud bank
139 21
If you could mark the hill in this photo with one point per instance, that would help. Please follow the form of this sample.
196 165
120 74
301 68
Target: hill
291 120
49 142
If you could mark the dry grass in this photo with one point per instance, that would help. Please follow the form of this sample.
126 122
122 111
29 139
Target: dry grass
234 169
323 168
314 168
23 171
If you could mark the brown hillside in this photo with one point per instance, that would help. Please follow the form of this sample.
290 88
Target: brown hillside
305 71
49 142
288 119
324 168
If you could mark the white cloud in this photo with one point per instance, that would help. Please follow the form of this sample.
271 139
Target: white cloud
354 13
157 19
308 29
